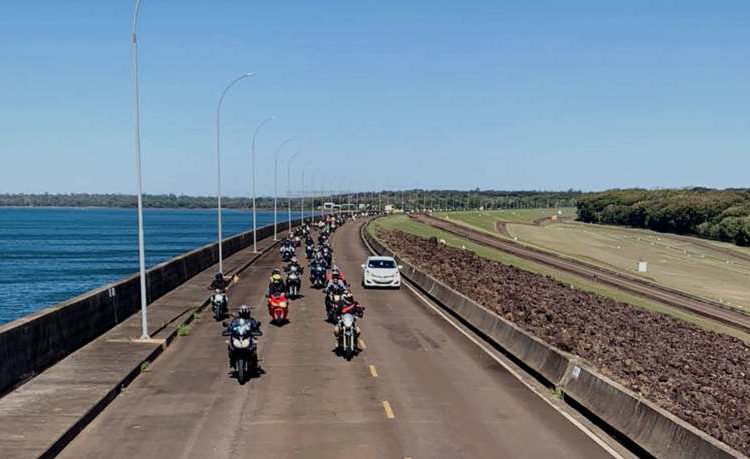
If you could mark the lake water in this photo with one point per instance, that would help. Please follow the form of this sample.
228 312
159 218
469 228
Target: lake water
51 255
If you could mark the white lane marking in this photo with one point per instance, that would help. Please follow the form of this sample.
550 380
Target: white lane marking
515 374
373 371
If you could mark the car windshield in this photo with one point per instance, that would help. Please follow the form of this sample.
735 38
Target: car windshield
381 264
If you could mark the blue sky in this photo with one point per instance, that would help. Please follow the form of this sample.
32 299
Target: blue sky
490 94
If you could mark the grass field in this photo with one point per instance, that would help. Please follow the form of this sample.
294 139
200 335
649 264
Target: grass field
403 223
687 264
486 219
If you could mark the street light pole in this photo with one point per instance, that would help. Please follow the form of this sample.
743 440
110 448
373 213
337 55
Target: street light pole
218 165
255 225
275 177
141 245
289 188
302 191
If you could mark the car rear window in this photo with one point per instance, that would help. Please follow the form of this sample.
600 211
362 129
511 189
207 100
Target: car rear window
381 264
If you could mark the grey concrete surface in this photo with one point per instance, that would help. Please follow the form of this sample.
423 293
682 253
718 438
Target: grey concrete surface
447 398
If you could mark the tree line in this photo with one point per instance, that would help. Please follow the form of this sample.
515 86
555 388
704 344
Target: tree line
408 199
170 201
722 215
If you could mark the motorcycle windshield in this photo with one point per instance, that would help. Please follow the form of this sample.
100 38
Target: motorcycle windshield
348 320
241 328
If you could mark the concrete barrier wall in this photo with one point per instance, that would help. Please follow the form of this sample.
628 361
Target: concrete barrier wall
35 342
652 428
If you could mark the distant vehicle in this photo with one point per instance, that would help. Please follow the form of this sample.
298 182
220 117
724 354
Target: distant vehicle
381 272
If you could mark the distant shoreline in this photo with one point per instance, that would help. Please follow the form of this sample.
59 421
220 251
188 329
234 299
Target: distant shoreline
145 208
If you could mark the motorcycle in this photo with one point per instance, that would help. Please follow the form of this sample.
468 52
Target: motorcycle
317 275
309 250
293 282
278 308
347 332
328 258
287 255
243 348
297 241
219 304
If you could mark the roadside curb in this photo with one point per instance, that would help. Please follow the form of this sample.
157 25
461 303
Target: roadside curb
639 421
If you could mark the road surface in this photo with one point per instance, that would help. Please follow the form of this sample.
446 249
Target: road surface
419 389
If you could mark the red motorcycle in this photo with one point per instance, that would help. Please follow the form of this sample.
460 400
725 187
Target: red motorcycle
278 308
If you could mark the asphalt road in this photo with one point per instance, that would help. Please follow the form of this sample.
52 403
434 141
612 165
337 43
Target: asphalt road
419 389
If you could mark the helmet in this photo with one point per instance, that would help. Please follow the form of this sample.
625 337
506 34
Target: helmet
294 259
335 273
219 276
275 271
244 311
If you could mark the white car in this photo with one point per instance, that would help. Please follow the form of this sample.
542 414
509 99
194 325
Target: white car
381 272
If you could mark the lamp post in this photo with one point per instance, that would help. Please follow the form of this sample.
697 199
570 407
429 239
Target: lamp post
255 226
289 188
302 191
275 177
218 164
141 248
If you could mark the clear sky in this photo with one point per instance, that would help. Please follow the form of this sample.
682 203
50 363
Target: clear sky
490 94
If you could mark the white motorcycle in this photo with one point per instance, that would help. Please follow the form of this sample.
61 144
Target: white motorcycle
219 304
347 333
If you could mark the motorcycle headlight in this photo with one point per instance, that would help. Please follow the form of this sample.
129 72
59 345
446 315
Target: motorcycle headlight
337 298
348 320
240 343
282 304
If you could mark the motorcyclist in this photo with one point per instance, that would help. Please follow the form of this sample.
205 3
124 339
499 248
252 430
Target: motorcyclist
220 282
277 285
243 316
309 248
336 282
293 263
318 258
287 249
350 306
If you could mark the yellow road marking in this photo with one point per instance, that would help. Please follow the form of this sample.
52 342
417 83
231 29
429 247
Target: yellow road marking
373 371
362 344
388 410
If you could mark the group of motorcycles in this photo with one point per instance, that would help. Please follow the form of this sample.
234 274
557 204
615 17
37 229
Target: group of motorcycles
340 308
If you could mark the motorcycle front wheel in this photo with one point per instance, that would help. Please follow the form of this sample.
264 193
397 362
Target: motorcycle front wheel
241 370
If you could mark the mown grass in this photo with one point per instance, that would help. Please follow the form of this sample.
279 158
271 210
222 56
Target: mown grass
486 219
682 263
404 223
